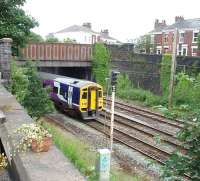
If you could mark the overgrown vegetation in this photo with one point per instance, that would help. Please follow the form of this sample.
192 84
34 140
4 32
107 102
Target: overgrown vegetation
188 163
126 90
100 63
27 87
185 105
165 74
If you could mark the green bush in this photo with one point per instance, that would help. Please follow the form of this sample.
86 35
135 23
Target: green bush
126 90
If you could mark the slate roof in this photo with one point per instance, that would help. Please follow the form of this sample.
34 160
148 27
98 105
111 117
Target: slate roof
182 24
76 28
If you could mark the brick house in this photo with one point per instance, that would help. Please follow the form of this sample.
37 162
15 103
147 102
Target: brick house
162 36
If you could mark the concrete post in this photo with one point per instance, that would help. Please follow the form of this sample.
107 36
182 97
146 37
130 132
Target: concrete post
103 164
5 58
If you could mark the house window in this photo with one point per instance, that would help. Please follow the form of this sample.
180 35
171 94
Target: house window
165 38
194 51
184 51
181 38
195 36
152 39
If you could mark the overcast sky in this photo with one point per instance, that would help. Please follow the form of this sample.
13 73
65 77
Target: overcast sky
125 19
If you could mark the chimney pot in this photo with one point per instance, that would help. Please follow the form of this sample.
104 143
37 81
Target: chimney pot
87 25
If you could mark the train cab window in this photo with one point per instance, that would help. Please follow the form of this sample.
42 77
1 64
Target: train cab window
100 93
55 90
84 95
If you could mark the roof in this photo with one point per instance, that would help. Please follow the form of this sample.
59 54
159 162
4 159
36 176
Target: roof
183 24
76 28
74 82
66 80
104 36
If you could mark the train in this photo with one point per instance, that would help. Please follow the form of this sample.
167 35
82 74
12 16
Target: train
82 97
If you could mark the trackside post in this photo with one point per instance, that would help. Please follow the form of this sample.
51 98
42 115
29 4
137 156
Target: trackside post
113 83
103 164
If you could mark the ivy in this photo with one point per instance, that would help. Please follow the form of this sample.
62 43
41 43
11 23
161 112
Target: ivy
165 73
100 63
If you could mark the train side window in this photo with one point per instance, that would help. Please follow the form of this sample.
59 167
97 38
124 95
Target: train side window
55 90
62 92
100 93
84 95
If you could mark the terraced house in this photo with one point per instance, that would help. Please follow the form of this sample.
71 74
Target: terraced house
188 29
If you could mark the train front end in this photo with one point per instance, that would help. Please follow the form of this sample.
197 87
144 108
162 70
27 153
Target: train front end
91 101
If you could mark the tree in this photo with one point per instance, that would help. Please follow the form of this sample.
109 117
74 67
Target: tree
15 23
36 99
143 44
35 38
69 40
51 39
100 63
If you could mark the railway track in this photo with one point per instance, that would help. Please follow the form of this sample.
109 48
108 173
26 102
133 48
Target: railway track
147 130
141 112
125 135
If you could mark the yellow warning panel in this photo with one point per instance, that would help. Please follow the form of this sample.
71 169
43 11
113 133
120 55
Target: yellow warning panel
93 99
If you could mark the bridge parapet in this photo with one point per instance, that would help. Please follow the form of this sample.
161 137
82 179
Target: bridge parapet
57 51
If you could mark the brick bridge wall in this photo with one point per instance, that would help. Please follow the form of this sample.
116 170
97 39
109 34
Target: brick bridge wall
57 51
144 70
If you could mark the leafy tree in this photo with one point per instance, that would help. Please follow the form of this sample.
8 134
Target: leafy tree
36 99
100 63
143 44
51 39
68 40
35 38
15 23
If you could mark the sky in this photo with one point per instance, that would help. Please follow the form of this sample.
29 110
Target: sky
125 19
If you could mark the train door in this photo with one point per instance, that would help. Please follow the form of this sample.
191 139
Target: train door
70 94
92 98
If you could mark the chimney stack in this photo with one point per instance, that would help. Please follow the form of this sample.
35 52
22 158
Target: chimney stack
105 32
158 24
87 25
179 19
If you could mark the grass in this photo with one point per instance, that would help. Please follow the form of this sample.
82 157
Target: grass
82 155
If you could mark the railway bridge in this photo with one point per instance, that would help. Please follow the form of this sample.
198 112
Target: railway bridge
60 58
